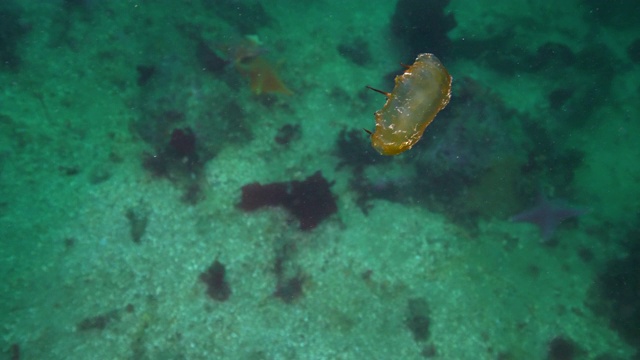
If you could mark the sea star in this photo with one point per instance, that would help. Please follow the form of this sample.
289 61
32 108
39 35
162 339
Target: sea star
548 214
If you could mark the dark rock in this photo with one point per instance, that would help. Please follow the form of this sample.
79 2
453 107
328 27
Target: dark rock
423 25
356 51
633 51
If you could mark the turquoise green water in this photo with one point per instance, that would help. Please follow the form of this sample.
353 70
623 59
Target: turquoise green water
190 180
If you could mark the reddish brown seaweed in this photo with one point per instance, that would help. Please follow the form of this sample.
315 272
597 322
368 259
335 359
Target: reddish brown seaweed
214 277
310 201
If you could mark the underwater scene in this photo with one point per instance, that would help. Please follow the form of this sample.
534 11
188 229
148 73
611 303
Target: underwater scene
356 179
